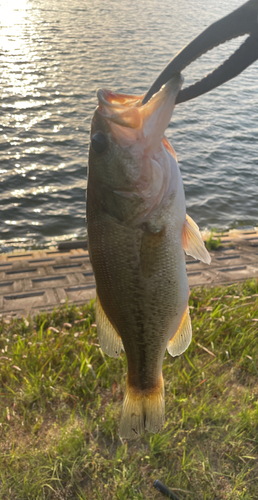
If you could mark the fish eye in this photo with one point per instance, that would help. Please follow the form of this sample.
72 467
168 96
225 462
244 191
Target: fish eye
99 142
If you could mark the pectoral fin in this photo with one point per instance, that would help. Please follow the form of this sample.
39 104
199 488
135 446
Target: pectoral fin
192 241
109 339
182 339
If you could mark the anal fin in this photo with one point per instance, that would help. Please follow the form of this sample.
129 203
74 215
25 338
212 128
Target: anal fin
109 339
192 241
182 339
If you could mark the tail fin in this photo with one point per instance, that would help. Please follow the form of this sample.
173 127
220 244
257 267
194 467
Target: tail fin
142 410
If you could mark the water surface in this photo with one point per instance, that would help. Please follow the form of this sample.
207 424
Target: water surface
55 54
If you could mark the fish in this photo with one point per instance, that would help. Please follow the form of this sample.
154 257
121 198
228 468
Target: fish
138 234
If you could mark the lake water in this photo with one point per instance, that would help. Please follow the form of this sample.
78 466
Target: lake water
56 53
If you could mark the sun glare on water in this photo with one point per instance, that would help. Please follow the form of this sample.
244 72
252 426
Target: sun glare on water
12 19
18 54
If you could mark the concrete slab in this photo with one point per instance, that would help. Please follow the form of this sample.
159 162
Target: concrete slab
28 300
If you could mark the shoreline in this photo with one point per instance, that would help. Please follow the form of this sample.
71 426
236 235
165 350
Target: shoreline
77 242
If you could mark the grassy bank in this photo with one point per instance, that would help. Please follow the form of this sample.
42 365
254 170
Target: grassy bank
61 400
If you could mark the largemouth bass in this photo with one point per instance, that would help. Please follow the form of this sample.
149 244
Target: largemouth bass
138 232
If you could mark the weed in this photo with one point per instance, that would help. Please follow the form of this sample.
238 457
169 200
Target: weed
213 243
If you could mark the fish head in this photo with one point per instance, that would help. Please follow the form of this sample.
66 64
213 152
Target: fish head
128 152
109 154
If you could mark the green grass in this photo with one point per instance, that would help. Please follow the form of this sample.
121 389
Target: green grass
61 400
213 243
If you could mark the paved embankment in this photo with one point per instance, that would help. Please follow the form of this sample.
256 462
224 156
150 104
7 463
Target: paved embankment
41 280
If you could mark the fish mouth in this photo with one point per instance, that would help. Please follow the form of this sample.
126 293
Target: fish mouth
113 100
239 22
144 120
120 109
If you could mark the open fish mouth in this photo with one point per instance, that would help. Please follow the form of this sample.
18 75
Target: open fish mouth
131 112
120 109
135 124
243 20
